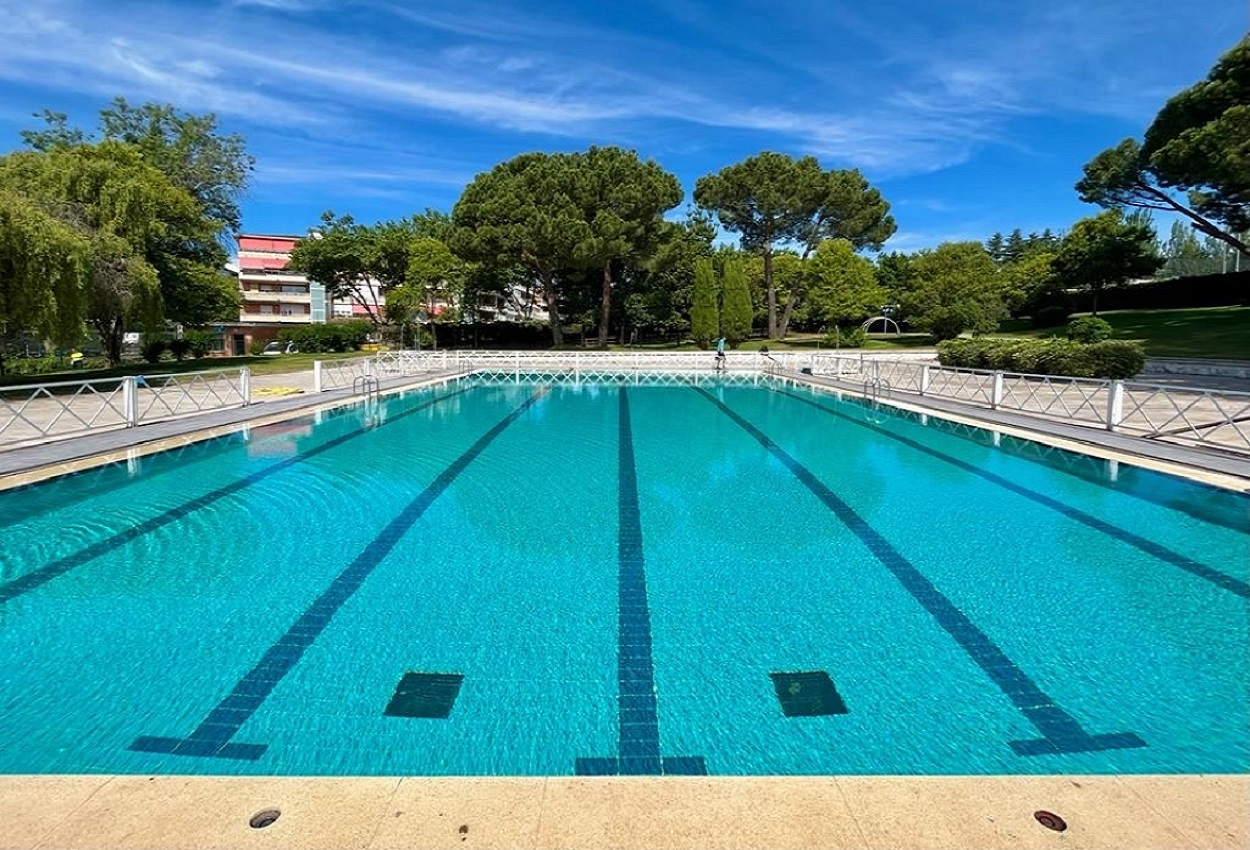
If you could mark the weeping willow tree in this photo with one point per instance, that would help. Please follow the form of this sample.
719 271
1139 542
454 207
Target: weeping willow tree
45 269
98 214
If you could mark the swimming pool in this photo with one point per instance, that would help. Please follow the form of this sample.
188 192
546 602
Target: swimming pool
502 577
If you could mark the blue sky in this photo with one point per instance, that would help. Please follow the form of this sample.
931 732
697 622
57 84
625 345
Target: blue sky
970 115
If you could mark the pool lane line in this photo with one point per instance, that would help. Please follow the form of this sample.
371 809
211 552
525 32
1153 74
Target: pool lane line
212 738
38 577
1156 550
1061 732
638 747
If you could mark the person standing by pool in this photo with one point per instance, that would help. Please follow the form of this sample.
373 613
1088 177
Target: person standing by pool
720 354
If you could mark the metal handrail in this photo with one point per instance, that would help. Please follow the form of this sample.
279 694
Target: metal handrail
67 408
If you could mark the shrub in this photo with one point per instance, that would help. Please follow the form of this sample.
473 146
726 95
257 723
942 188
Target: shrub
1117 358
1088 329
153 349
180 348
852 337
347 335
1107 359
201 342
257 347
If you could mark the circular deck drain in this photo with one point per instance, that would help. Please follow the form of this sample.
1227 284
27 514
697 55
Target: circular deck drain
260 820
1050 820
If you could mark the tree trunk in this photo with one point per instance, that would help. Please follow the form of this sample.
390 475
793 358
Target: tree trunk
606 313
789 312
772 292
1202 225
111 332
553 312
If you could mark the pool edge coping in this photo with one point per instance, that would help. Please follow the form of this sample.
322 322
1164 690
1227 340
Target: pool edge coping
1208 811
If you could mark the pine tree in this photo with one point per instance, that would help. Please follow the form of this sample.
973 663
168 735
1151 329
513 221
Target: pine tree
1014 250
704 309
736 311
994 245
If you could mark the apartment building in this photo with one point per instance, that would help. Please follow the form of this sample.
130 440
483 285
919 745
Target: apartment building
273 296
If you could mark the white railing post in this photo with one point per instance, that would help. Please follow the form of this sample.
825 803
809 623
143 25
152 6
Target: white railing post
517 367
318 380
996 390
245 385
130 400
925 377
1115 404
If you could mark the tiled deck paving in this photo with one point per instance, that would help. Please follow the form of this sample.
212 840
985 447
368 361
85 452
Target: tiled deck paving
961 813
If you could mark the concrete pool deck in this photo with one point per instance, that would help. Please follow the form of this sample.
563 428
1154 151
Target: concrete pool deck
926 813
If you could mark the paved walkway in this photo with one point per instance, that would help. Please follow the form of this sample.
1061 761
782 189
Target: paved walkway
59 455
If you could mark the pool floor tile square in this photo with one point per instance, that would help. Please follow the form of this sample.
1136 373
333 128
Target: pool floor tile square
425 695
807 694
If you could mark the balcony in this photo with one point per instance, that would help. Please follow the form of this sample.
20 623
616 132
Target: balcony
276 297
275 318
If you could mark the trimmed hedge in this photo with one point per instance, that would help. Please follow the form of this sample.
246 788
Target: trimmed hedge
346 335
1212 290
1107 359
49 365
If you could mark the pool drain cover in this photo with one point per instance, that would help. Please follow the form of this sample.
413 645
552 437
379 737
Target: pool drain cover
425 695
260 820
1050 820
807 694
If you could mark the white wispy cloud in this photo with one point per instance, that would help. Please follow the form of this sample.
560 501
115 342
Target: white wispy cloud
924 105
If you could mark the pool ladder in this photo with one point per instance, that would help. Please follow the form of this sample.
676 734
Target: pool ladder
367 385
875 387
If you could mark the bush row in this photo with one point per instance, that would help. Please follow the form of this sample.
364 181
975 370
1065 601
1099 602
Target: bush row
1107 359
49 365
347 335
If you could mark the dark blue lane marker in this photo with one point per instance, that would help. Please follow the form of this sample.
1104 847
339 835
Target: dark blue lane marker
212 737
1202 571
46 573
639 745
1061 732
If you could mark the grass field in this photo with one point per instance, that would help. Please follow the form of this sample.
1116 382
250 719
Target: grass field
1216 333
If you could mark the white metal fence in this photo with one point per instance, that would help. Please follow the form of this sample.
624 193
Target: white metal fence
38 411
1179 414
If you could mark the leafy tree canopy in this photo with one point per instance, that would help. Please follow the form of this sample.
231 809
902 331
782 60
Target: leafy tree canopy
1200 142
559 213
1106 250
952 289
841 285
119 209
772 199
187 148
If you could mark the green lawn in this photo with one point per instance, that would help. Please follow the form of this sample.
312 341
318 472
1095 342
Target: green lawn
1217 333
259 365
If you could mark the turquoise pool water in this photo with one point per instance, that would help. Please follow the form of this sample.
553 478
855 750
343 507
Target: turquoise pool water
620 578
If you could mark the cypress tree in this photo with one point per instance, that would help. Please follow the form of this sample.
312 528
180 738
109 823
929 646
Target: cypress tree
736 311
704 310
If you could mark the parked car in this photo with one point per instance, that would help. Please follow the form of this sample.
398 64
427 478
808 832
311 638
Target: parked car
279 347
